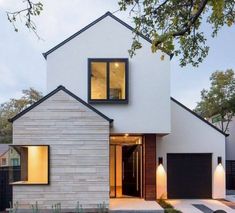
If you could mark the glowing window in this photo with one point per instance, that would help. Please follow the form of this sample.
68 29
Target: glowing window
108 80
33 165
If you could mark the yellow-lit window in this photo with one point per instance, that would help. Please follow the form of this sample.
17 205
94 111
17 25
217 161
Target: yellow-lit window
108 80
33 167
98 80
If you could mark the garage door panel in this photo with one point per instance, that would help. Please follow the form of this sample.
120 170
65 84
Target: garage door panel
189 175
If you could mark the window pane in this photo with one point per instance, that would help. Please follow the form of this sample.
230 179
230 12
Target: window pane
29 165
117 80
98 80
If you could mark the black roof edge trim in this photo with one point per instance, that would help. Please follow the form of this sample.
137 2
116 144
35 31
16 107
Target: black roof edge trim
93 23
198 116
54 92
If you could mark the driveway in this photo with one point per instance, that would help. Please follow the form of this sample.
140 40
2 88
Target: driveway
199 206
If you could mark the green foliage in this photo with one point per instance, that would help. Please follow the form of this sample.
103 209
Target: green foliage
102 208
56 208
168 208
174 26
35 208
79 208
219 100
26 15
164 204
172 211
11 108
14 208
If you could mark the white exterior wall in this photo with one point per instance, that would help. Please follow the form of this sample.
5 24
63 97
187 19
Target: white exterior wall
191 135
79 153
148 110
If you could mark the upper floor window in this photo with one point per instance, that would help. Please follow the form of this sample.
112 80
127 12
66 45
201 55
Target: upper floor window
108 80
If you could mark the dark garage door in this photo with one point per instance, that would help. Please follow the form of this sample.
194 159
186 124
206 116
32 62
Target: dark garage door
189 176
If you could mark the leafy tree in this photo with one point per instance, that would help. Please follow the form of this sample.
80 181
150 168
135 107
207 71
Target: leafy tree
219 100
174 26
26 15
11 108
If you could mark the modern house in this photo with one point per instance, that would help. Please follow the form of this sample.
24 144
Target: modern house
112 130
8 156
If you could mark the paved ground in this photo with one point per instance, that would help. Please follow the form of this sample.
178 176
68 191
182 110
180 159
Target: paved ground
199 206
230 198
136 204
230 192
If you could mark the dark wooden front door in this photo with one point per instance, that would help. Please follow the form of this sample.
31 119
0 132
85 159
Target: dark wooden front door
131 170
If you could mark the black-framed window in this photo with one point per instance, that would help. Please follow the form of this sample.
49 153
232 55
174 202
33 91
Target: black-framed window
108 80
33 168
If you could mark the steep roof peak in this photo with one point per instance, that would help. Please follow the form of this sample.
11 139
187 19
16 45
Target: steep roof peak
108 13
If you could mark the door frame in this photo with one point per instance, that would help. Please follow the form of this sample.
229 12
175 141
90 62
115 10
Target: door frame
142 166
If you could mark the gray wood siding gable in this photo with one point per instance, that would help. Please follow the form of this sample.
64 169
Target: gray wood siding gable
79 153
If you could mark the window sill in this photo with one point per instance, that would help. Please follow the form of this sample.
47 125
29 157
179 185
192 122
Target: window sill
108 101
27 183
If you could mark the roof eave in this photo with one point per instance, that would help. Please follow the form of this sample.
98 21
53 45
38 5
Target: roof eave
198 116
51 94
45 54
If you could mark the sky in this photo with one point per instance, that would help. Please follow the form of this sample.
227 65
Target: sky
22 64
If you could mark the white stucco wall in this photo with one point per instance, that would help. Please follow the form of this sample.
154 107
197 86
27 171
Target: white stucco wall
189 134
148 110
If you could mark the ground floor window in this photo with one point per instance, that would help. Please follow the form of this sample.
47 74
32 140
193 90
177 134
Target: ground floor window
33 162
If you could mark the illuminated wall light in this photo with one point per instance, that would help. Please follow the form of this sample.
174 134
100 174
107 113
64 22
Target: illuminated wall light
160 161
126 135
219 160
161 182
219 181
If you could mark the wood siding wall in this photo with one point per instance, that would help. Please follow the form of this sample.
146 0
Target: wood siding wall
150 166
79 153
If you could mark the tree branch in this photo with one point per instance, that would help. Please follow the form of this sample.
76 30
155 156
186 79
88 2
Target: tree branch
193 19
31 9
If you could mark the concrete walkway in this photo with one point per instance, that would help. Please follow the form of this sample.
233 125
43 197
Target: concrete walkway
230 198
134 205
199 206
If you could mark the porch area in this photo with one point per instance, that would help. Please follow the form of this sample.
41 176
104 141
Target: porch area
134 205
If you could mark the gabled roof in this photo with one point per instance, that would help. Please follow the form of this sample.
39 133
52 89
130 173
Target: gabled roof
198 116
90 25
60 88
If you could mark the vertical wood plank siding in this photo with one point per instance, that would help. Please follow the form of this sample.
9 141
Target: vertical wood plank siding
150 166
79 153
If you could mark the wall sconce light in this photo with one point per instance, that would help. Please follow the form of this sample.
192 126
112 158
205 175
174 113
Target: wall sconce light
160 160
219 160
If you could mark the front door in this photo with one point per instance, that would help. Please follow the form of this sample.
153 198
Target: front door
131 160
